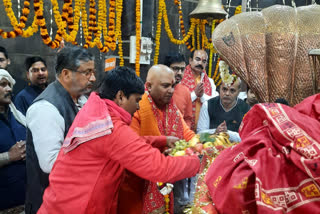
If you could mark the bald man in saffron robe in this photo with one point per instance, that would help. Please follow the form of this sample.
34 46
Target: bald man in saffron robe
158 115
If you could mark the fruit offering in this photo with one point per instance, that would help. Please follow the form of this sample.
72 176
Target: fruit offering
202 144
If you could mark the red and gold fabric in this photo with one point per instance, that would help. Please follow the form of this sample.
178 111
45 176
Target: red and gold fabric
275 169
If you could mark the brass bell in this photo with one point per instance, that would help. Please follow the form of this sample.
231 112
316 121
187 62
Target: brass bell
208 9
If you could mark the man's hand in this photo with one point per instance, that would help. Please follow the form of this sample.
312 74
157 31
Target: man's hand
199 90
222 127
171 140
18 151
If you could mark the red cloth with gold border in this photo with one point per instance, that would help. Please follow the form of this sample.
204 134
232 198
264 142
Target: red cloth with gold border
276 168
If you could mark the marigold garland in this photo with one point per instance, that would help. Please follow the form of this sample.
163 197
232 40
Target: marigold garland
198 37
18 27
183 31
38 7
118 30
211 49
216 76
168 30
165 189
68 20
138 36
158 34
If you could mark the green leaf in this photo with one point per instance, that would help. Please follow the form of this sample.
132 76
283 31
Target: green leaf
205 137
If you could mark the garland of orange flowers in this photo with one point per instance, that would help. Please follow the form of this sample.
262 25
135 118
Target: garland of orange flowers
158 34
100 28
168 29
18 27
183 30
92 23
67 19
111 32
166 194
118 30
198 36
38 7
211 50
138 36
203 33
193 41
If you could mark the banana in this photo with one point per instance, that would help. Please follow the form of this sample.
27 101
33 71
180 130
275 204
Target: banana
194 141
179 153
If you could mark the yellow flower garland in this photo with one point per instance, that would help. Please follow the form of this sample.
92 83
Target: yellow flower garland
211 50
183 31
38 7
198 36
118 30
16 26
69 20
168 30
138 36
158 34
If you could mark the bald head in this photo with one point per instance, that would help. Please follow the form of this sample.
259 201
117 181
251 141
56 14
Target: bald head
160 82
157 72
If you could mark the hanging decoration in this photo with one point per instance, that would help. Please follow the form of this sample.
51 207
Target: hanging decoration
68 23
138 36
158 34
211 50
162 14
118 30
183 30
18 27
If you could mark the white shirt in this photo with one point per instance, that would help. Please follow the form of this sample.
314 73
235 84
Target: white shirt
204 124
205 97
47 127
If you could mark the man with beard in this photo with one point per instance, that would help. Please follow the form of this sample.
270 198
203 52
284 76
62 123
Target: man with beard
181 95
201 87
37 74
51 115
225 112
158 115
12 149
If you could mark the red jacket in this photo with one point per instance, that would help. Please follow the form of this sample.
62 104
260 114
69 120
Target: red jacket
86 179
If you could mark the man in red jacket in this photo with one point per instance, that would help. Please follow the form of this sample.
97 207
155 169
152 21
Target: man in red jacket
100 145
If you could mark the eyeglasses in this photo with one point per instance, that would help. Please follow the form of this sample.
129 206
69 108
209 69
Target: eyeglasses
177 68
88 73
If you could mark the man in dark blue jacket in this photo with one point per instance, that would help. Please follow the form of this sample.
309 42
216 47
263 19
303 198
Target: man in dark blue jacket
12 147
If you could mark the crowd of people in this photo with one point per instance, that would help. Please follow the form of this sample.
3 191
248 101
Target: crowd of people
67 148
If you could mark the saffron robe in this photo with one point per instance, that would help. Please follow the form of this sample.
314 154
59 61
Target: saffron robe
144 122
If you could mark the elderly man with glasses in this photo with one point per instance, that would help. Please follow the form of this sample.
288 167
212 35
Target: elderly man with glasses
51 115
